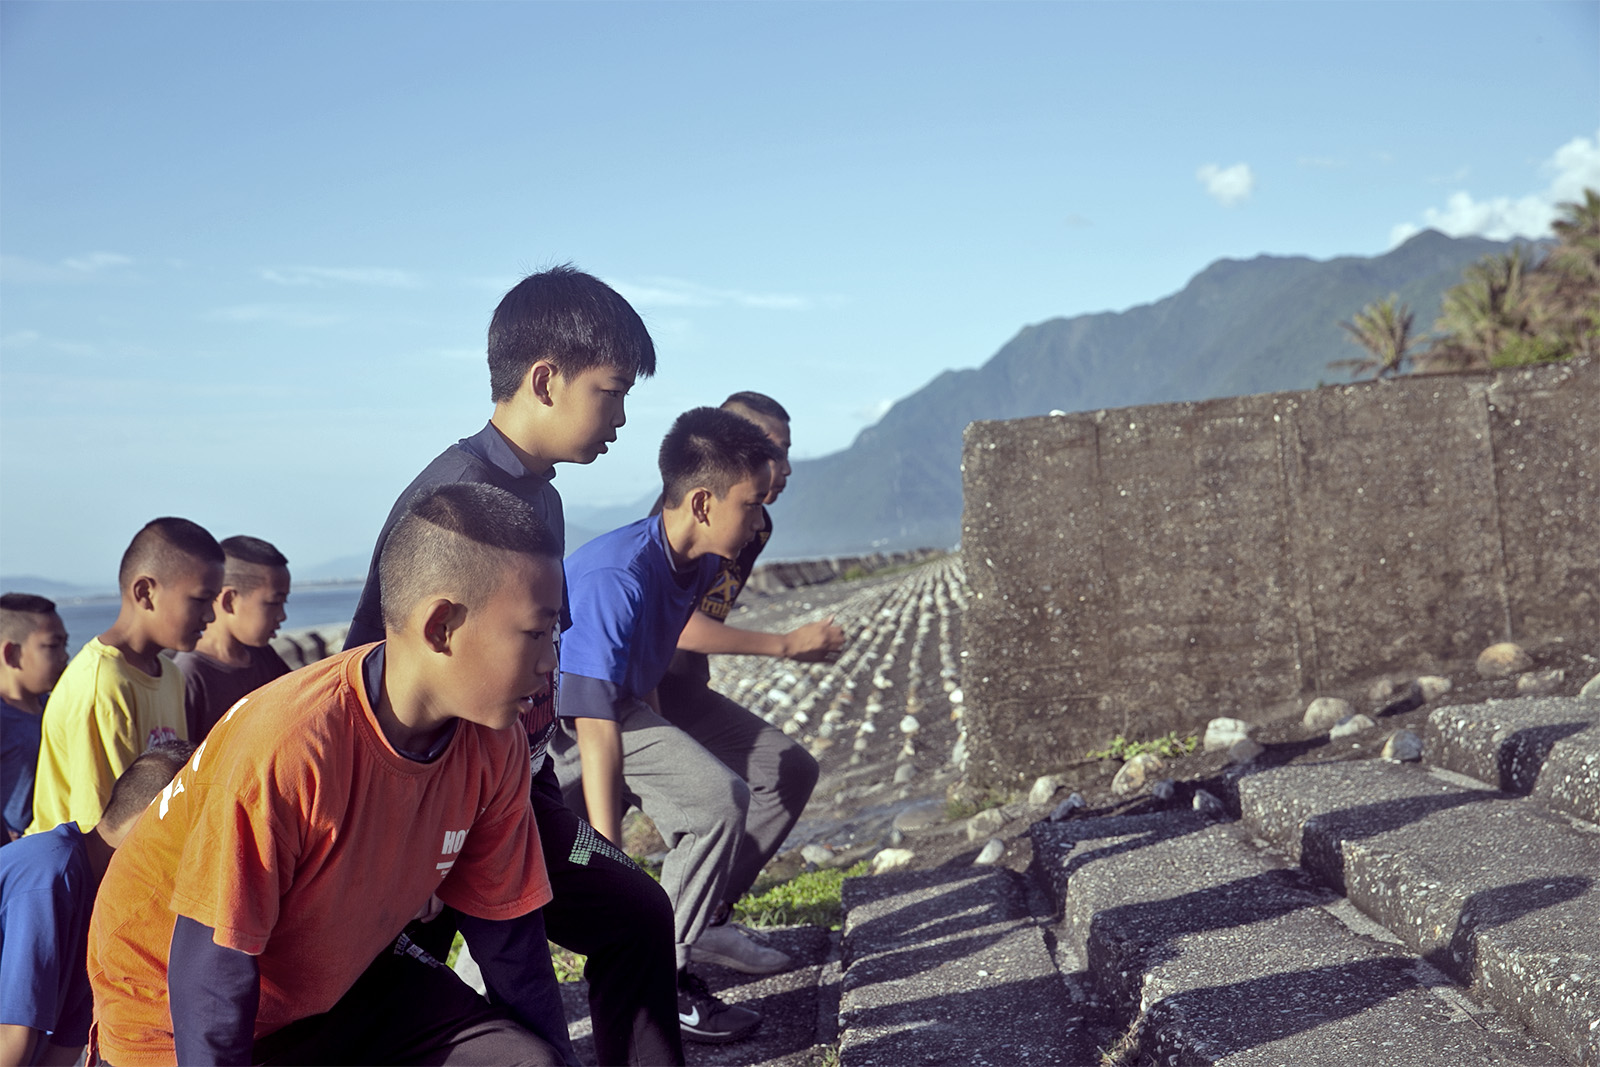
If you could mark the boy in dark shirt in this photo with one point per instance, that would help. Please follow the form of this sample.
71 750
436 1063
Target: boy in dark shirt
33 653
633 590
234 656
564 349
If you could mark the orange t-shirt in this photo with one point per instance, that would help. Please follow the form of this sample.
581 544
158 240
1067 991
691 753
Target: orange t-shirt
301 837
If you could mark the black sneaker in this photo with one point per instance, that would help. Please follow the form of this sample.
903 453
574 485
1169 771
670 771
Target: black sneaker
704 1018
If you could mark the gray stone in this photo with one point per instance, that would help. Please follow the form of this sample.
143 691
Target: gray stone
1165 789
1245 751
904 773
1043 789
920 816
1433 686
991 852
1355 724
1222 733
1208 805
1131 778
1067 807
1323 712
1503 660
1402 746
1381 690
891 859
985 824
817 855
1591 689
1540 683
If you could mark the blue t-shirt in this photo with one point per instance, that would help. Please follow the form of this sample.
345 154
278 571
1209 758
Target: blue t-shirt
19 756
628 608
46 897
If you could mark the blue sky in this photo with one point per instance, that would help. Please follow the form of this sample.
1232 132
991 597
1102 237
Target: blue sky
250 250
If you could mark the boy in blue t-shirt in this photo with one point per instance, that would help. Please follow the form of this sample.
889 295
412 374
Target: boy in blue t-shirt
47 888
632 590
33 653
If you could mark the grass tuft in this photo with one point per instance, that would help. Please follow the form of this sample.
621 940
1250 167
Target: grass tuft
1171 746
810 899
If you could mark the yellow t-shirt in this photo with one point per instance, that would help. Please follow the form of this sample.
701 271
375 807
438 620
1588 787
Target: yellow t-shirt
101 715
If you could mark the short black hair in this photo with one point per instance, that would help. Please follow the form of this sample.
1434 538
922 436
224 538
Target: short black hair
573 319
712 448
253 552
19 615
143 781
164 544
450 542
758 403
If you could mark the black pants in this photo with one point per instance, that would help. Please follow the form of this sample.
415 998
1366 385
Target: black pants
609 910
406 1008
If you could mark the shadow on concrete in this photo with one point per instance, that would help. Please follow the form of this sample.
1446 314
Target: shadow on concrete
1489 908
950 901
1323 835
1520 758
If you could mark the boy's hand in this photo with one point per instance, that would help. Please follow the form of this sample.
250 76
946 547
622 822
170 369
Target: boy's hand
814 641
429 911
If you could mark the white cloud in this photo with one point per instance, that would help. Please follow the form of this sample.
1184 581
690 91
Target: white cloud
1227 185
674 292
282 314
873 412
1573 167
387 277
71 269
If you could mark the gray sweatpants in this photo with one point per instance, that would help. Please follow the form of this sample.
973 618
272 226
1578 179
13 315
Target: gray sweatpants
689 776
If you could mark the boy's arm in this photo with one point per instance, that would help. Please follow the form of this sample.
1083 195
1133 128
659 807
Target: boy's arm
17 1043
600 754
214 993
807 644
514 956
95 763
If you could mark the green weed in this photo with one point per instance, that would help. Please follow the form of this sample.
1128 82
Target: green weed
811 898
1171 746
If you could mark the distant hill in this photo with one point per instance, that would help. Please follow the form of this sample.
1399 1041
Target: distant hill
1239 327
54 590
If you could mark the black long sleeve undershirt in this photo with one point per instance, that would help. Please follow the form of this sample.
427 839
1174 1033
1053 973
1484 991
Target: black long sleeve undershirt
214 993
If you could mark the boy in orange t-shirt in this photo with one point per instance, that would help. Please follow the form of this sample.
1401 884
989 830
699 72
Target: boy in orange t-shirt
250 918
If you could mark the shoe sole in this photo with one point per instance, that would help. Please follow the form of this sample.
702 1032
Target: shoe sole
712 1037
700 955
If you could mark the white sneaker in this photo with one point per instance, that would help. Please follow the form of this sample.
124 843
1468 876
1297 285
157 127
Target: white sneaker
728 946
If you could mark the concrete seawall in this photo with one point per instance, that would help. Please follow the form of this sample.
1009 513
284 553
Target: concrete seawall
1142 570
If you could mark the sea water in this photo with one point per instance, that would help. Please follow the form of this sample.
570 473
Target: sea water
313 605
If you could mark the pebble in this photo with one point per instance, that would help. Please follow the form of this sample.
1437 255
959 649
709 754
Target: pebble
904 773
1348 727
817 855
1222 733
1540 683
1244 751
910 725
1381 690
1130 779
1164 789
1067 807
1206 804
957 696
1043 789
1503 660
1323 712
991 852
1433 686
984 824
1591 688
1402 746
891 859
919 816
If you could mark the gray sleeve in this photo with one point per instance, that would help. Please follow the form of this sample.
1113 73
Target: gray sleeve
583 697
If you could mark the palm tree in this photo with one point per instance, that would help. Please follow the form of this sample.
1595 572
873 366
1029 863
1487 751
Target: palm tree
1568 282
1384 330
1492 305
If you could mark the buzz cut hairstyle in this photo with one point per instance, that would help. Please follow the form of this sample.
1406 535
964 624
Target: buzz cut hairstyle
165 545
757 404
244 555
20 615
713 449
144 780
574 320
452 542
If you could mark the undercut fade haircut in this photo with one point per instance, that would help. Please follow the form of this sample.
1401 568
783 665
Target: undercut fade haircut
573 319
163 547
757 404
244 554
452 542
712 448
144 780
20 615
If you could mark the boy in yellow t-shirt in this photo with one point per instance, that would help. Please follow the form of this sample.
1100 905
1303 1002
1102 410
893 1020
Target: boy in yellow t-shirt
119 696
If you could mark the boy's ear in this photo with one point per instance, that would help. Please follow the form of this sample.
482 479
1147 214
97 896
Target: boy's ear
700 504
227 599
142 589
440 621
11 654
540 375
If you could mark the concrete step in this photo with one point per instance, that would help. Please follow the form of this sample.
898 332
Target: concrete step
1546 747
1221 953
1498 892
950 966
